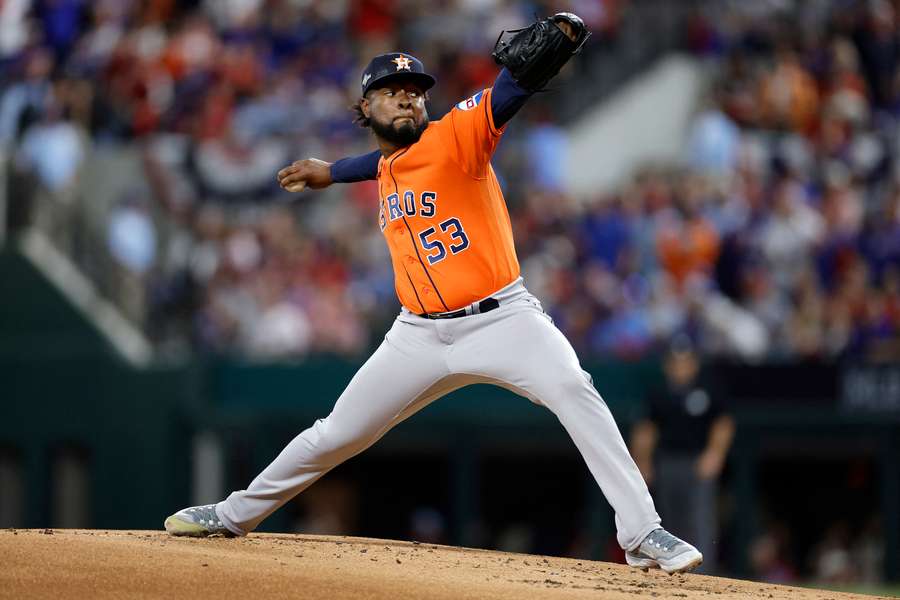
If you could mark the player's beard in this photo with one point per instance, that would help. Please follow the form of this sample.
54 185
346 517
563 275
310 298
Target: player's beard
406 133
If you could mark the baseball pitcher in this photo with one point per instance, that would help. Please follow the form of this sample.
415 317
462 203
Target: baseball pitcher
466 315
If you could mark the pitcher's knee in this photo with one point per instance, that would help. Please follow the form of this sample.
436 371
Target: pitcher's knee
333 446
578 384
567 385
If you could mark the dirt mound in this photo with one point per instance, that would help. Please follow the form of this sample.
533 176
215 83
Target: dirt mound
137 564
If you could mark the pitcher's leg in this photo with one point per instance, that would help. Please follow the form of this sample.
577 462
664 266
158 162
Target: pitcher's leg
531 356
396 381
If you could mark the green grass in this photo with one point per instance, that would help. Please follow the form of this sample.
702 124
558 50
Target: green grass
891 590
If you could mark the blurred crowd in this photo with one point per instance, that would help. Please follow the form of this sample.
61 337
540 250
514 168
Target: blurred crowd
843 555
778 238
210 254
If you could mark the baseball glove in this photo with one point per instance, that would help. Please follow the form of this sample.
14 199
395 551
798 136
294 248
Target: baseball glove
535 54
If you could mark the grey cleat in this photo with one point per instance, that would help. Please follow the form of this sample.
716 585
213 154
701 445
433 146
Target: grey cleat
662 549
197 521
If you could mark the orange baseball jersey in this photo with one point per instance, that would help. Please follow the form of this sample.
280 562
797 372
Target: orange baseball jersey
443 214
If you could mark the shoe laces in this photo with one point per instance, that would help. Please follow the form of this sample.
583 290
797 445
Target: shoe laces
662 539
206 514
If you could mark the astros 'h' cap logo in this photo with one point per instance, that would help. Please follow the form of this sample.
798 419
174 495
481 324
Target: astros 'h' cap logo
402 62
393 65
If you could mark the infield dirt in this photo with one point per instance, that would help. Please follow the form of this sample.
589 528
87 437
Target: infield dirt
150 564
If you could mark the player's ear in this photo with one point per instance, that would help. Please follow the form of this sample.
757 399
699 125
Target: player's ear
364 107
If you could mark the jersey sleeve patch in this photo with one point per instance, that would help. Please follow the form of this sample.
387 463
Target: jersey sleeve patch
470 103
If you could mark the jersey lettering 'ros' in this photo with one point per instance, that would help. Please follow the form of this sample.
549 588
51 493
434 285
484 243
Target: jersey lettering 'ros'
443 214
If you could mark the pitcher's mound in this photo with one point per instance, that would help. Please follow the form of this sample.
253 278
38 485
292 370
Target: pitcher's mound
150 564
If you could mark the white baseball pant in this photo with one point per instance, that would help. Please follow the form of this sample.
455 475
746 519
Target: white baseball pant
515 346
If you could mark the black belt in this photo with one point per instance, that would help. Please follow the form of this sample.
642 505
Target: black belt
486 305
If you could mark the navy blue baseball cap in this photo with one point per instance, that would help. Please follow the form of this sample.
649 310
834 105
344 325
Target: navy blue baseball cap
395 65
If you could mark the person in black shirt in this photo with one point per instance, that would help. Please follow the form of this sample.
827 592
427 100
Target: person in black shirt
680 448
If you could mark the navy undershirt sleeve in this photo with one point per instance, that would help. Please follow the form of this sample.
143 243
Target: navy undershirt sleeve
356 168
507 97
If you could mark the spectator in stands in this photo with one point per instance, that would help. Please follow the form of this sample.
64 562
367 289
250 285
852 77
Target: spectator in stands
788 95
686 241
54 148
25 101
51 154
789 232
132 241
833 563
769 556
714 139
280 328
879 48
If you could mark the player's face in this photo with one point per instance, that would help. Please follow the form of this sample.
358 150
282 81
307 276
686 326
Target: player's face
397 112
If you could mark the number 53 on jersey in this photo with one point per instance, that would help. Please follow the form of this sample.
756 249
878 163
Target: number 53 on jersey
435 248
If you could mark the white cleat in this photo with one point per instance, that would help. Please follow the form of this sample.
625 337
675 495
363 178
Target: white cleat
197 521
661 549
